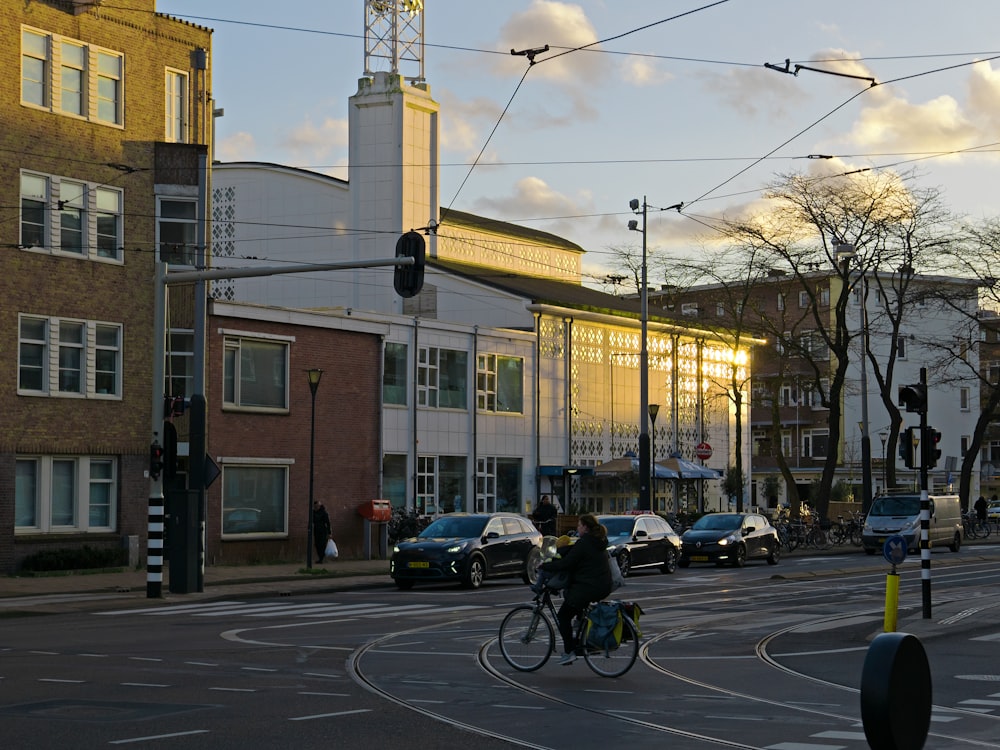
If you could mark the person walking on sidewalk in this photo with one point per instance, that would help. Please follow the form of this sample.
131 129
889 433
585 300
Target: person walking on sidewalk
545 516
321 529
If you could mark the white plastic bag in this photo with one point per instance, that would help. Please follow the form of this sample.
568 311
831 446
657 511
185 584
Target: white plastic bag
617 579
331 548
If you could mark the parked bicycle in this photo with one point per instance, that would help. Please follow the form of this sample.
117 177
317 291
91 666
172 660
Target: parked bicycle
847 530
975 528
528 638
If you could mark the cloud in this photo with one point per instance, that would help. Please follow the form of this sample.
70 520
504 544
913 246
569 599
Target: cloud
532 198
236 147
322 147
641 72
754 91
561 25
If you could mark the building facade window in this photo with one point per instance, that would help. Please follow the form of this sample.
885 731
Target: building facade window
255 374
180 364
964 398
442 378
176 230
394 374
70 77
815 443
500 384
901 347
176 125
426 498
70 217
65 493
88 357
254 499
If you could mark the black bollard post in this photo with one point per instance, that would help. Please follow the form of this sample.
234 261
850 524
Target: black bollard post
896 693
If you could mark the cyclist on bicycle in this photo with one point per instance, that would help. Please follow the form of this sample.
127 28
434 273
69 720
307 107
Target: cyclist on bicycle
589 578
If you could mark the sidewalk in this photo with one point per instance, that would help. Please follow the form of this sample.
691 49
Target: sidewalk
74 590
61 591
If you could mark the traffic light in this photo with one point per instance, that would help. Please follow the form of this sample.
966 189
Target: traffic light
155 460
932 439
409 280
914 397
906 448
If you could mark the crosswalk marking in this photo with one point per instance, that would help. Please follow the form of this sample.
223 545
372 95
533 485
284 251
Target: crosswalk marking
314 610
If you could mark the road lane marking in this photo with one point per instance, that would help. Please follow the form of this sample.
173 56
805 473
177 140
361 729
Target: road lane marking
158 737
328 716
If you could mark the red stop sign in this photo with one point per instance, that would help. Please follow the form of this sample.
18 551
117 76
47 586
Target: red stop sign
703 451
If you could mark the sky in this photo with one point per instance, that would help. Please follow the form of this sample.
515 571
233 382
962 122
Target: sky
669 101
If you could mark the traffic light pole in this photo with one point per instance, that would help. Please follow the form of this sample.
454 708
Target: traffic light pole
925 505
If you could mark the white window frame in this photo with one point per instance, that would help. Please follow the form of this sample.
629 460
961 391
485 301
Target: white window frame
427 482
91 350
186 252
486 484
81 492
97 206
490 384
180 363
808 442
230 464
176 107
689 309
233 359
964 398
101 78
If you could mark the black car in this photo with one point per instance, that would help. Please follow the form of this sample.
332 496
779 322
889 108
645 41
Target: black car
642 541
468 548
730 538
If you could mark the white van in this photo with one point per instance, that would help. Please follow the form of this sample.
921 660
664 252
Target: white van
900 514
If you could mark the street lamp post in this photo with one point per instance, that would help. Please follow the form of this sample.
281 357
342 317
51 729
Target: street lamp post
845 253
884 436
314 376
644 465
654 409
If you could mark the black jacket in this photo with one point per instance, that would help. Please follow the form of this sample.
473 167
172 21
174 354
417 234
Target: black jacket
590 574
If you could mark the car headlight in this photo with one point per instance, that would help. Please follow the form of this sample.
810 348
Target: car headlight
455 549
731 539
395 548
913 525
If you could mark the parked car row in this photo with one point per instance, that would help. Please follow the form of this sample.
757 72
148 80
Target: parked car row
468 548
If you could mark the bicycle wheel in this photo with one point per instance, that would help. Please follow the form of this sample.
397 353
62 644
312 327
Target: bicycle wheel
527 638
837 533
616 662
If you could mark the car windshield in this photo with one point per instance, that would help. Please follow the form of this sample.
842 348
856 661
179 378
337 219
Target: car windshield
455 528
618 526
895 506
718 522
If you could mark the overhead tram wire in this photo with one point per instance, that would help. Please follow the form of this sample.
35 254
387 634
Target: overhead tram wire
840 106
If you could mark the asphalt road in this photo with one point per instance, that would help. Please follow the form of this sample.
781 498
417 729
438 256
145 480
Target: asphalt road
762 657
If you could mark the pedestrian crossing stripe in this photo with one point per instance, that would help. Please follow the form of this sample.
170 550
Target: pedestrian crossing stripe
287 609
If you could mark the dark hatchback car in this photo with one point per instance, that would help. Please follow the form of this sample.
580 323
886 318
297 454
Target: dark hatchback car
642 541
468 548
730 538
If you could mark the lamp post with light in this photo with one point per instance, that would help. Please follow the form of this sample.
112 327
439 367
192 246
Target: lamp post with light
644 466
884 436
654 409
314 376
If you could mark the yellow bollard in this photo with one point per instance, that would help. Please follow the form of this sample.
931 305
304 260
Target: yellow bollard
891 601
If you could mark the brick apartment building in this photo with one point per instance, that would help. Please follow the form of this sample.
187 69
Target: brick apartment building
103 109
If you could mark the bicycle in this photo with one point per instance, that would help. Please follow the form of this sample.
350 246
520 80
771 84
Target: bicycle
528 639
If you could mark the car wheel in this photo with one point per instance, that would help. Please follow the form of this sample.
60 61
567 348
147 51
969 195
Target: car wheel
403 585
739 556
683 562
775 557
530 574
956 543
476 573
624 562
670 561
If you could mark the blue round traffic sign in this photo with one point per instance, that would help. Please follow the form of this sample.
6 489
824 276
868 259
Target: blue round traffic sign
894 549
